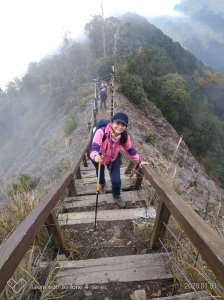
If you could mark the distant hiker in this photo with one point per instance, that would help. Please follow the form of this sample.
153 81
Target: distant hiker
105 149
103 97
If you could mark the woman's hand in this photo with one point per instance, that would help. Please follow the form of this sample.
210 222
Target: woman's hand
98 159
143 163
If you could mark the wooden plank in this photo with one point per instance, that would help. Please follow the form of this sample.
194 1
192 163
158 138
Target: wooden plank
205 239
90 200
90 188
92 179
86 217
91 173
202 295
114 269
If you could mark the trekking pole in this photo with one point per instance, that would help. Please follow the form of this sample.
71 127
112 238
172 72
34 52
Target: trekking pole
97 192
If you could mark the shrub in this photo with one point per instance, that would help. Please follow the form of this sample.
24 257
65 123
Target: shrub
151 139
167 154
70 124
132 87
192 183
25 183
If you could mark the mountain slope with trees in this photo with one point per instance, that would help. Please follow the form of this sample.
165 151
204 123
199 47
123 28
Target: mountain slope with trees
150 69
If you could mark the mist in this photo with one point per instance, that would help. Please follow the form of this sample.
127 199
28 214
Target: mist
199 29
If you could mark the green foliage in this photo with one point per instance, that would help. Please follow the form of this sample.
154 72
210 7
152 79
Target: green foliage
192 184
172 97
85 94
132 86
167 154
151 138
25 183
70 124
208 78
101 66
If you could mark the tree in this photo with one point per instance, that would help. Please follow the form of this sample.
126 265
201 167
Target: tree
94 32
172 97
208 78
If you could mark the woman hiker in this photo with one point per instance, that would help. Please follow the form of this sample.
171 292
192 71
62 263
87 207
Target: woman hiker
105 149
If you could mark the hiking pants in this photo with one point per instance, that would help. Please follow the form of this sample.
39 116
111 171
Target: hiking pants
115 177
103 103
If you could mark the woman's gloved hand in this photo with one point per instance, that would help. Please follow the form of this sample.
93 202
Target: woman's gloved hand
143 163
98 158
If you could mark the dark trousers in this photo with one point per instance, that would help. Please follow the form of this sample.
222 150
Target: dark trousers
115 177
103 103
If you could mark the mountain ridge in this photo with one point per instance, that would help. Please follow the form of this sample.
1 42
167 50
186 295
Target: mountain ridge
53 88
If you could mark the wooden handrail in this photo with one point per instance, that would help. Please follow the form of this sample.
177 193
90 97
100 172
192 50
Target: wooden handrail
209 244
15 247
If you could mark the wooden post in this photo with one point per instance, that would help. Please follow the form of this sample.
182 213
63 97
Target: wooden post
89 126
139 177
94 117
78 174
96 97
162 217
88 155
71 189
54 228
129 168
85 161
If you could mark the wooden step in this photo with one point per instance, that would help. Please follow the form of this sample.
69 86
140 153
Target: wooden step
202 295
113 269
90 187
90 166
92 179
106 215
90 200
90 172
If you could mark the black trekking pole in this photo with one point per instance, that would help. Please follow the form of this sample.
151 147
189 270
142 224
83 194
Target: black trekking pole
97 192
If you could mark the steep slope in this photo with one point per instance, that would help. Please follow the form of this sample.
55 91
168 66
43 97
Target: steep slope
174 162
53 152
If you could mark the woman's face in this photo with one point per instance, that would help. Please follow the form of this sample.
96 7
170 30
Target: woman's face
118 127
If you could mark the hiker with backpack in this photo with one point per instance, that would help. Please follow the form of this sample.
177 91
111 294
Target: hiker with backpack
105 150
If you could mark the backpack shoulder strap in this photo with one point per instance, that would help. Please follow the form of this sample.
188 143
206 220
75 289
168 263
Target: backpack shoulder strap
104 134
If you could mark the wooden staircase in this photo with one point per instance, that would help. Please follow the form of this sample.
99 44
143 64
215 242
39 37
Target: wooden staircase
113 264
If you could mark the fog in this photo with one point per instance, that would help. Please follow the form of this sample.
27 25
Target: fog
31 29
199 29
197 25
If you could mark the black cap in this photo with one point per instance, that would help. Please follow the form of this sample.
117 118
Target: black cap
121 117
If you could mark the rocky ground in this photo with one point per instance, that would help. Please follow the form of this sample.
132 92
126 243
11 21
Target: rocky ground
168 155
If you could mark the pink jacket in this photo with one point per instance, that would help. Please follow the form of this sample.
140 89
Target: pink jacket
110 148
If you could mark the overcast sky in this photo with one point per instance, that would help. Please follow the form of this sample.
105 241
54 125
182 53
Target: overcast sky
31 29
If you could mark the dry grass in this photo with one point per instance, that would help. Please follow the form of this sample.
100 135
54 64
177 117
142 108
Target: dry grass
24 273
194 270
17 206
74 249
